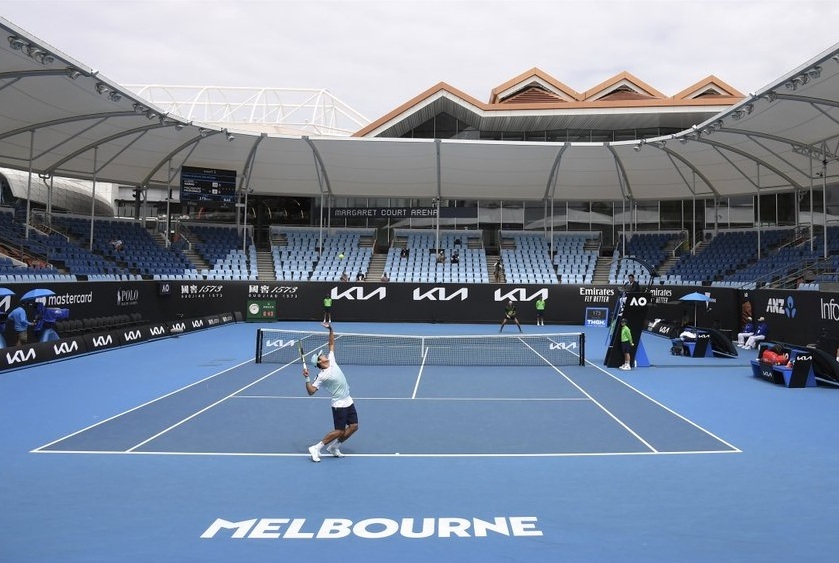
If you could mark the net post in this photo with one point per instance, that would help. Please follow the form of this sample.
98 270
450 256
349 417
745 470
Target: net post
582 348
258 346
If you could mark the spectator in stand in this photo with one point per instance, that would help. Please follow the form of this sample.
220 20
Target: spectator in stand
385 279
455 257
404 252
760 334
441 256
345 277
360 276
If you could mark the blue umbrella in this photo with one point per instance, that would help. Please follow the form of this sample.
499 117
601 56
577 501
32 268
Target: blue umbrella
4 291
696 297
33 294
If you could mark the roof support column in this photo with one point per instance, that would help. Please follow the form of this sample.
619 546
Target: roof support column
245 187
437 144
29 183
93 197
812 224
759 216
824 205
168 241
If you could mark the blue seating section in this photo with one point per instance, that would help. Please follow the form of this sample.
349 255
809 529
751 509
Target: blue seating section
343 253
297 259
296 254
574 264
421 265
729 259
222 248
728 252
140 255
529 260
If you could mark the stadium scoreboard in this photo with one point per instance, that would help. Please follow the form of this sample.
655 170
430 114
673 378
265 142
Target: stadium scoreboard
207 185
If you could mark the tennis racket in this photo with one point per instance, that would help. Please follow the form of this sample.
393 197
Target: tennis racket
302 353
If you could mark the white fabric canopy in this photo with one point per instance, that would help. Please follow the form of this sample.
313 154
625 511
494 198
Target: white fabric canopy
60 117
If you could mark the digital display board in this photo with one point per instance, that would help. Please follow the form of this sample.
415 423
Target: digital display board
207 185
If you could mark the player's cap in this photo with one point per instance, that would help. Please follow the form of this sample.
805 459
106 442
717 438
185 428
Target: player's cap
315 357
748 318
623 321
762 319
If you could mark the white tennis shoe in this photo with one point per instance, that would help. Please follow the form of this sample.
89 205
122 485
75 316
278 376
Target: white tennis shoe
334 450
313 451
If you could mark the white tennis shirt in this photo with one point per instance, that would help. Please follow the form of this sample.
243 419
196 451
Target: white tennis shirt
332 379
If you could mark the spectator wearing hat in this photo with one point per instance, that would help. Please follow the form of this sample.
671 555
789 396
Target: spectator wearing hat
760 334
748 330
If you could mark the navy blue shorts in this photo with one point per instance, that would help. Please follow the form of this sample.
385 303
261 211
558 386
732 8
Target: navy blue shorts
626 347
343 416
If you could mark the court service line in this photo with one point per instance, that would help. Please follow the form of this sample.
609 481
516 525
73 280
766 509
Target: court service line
37 450
595 401
419 375
208 407
665 407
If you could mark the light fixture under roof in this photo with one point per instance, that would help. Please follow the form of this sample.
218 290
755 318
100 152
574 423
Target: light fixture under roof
36 53
16 43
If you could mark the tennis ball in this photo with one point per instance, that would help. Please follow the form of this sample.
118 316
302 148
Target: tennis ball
341 255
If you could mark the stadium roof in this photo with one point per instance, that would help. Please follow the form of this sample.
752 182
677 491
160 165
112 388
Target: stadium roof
60 117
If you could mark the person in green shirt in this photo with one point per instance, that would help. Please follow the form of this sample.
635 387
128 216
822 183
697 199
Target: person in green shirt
327 309
540 312
626 345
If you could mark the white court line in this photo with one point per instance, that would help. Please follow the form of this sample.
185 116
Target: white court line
193 415
395 455
419 375
141 406
668 409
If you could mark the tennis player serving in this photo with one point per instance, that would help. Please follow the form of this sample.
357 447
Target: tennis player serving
510 314
344 416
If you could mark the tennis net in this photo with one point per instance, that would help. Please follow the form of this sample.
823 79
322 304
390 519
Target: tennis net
279 346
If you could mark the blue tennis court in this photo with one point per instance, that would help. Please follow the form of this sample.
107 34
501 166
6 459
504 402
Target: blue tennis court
184 449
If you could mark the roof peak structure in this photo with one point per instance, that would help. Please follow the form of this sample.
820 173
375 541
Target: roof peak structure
536 90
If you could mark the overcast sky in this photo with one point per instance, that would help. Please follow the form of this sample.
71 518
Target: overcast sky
374 56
